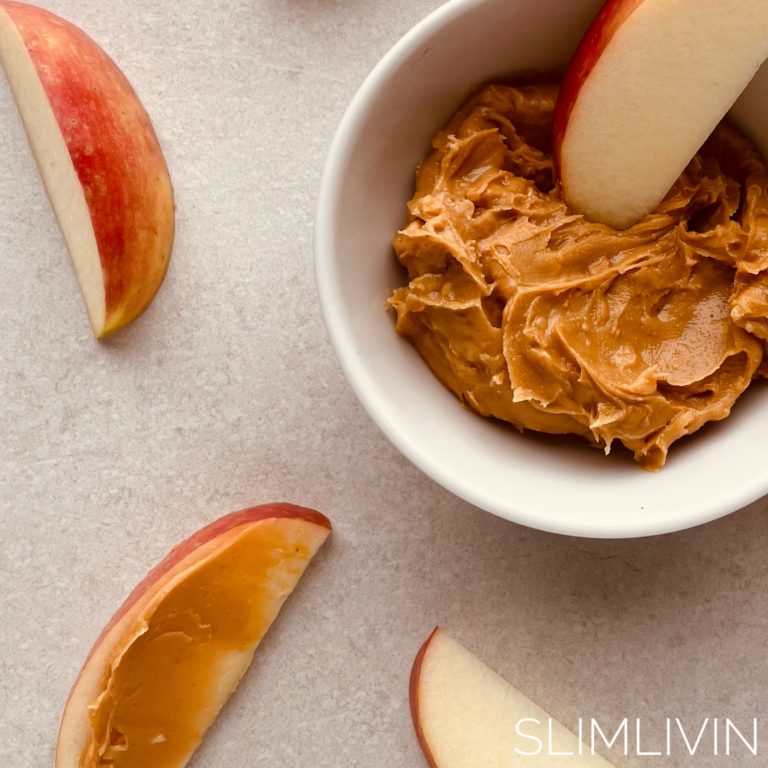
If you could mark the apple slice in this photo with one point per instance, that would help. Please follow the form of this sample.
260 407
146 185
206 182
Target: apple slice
647 85
176 649
99 158
466 716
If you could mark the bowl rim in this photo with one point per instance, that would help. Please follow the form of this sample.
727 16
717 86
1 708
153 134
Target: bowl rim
329 293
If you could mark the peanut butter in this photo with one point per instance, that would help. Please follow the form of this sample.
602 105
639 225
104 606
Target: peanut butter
533 315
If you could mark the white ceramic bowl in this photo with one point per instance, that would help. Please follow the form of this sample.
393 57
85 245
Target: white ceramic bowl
554 484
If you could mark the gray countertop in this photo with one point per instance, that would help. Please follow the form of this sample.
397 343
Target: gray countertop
226 393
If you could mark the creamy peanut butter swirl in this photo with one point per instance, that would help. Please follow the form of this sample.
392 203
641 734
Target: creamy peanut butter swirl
533 315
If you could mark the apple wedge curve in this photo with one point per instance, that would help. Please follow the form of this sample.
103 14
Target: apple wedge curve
466 716
176 649
99 158
647 85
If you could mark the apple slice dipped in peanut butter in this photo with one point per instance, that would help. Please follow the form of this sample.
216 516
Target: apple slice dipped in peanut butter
99 157
648 84
176 649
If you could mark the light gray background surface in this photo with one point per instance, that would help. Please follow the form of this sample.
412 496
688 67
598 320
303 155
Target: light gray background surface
226 393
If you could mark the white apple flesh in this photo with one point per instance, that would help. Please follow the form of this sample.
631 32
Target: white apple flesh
466 716
649 82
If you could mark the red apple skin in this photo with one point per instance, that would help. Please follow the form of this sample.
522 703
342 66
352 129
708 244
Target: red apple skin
596 39
115 153
185 551
413 696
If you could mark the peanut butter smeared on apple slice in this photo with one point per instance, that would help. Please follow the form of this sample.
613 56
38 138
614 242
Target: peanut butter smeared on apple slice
175 651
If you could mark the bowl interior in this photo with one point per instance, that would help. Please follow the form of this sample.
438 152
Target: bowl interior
556 484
